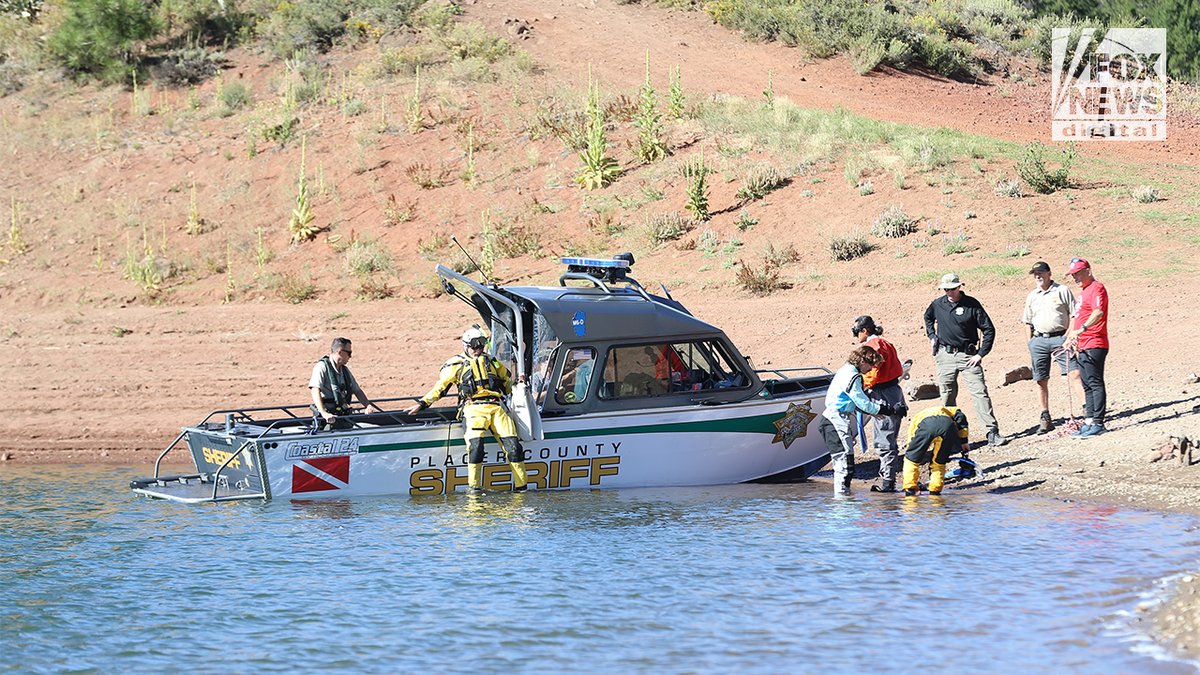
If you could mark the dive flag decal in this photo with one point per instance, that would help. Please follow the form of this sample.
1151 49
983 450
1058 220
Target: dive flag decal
321 473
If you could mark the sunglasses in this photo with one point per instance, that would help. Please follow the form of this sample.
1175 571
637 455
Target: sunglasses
347 352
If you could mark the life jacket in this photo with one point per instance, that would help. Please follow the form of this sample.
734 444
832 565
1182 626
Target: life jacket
340 403
478 376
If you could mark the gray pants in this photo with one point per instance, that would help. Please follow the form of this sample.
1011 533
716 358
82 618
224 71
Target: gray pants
948 367
839 434
885 431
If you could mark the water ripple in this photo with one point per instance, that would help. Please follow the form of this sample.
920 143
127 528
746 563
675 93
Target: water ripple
748 579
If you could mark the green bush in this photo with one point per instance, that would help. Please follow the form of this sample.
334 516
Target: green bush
365 256
296 27
472 40
98 37
234 95
1033 171
946 56
405 61
25 9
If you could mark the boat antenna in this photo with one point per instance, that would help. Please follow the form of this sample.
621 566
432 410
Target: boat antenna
481 273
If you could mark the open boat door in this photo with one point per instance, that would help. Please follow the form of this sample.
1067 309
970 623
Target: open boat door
525 413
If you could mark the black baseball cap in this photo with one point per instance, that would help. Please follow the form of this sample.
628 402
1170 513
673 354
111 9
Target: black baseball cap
1040 266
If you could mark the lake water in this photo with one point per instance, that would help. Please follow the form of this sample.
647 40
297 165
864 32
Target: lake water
731 579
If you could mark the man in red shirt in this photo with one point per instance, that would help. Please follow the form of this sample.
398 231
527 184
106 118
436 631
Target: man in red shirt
1088 342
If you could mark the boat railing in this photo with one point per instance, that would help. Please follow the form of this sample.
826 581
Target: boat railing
601 284
242 416
793 380
782 372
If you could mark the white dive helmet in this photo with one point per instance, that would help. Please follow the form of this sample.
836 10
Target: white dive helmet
476 336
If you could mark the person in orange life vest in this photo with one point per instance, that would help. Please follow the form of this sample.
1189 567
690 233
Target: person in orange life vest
670 369
882 384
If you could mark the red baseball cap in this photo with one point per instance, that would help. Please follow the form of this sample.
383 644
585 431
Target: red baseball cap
1077 264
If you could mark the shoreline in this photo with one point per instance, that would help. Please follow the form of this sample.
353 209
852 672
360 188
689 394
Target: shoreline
86 394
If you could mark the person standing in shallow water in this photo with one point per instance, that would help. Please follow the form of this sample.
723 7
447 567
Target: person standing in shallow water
482 383
882 384
839 422
933 437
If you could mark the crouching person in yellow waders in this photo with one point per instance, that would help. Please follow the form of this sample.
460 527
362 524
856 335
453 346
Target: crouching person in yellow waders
482 384
933 436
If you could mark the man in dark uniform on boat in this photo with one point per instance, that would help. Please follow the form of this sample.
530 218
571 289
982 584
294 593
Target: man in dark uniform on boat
332 385
482 383
934 435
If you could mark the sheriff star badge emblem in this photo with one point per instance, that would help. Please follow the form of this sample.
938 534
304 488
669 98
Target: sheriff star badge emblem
794 423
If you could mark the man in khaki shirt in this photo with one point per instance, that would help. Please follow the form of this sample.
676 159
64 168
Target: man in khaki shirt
1048 310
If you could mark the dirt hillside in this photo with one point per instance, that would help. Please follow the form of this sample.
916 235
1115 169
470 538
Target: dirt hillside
107 371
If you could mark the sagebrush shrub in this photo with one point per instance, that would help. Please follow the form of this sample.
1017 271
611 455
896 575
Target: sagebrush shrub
664 227
187 66
1146 194
1008 187
848 246
364 256
893 222
760 181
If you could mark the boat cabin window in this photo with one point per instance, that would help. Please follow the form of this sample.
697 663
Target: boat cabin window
576 376
652 370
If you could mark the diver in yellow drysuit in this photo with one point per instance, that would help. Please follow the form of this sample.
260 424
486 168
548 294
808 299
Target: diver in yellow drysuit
933 436
483 382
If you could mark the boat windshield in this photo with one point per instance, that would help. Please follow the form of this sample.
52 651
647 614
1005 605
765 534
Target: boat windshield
663 368
546 348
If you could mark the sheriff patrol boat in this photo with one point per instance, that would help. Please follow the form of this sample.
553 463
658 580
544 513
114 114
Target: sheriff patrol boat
626 389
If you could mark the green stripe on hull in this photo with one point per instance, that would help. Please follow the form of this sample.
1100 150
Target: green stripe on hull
759 424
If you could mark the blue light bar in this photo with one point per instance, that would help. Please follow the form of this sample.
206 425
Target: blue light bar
596 262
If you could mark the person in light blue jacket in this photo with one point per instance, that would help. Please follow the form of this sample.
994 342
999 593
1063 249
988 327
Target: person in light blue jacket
843 401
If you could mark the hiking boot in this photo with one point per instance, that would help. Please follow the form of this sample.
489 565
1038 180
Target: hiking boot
1081 431
910 493
935 494
1046 425
885 488
1094 430
995 440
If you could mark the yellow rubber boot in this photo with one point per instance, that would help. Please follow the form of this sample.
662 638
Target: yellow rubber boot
937 477
475 476
912 473
519 477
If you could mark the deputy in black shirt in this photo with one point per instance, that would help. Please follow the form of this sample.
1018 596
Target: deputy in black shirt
954 324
